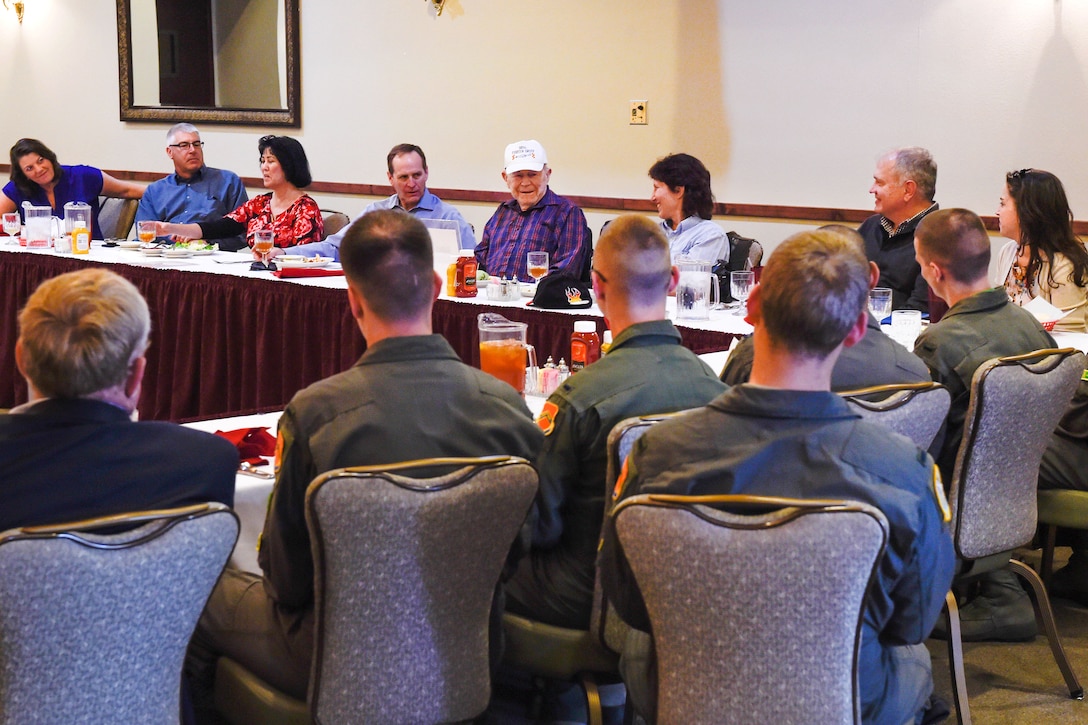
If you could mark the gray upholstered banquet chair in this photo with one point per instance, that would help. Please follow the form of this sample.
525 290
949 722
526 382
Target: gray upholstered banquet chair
116 216
1016 403
405 572
585 655
915 410
94 626
334 221
746 630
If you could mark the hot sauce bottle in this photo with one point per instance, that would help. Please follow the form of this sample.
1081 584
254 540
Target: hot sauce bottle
465 278
585 345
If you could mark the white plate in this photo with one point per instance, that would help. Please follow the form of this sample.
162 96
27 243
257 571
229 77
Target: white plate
177 253
151 251
289 260
527 290
130 244
204 252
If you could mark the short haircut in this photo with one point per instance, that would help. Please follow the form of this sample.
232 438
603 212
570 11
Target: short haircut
849 233
291 156
957 241
404 148
81 331
812 291
388 258
916 164
177 128
676 170
637 255
23 147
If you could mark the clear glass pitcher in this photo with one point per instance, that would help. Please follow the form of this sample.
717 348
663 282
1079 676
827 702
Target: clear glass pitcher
503 350
41 225
696 288
77 225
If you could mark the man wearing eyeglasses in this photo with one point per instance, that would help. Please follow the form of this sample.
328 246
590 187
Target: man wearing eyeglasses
194 192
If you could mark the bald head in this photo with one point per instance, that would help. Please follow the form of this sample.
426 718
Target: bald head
956 240
633 258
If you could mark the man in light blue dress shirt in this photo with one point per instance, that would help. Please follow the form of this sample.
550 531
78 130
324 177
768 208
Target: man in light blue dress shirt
194 192
407 172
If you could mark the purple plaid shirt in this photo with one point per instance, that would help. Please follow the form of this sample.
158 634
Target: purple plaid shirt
553 225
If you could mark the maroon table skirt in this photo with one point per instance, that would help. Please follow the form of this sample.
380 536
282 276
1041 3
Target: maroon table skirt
224 345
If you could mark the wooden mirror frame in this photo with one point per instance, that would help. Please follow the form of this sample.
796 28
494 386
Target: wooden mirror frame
199 114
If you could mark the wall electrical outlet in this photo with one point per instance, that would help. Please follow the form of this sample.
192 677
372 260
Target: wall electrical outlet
638 113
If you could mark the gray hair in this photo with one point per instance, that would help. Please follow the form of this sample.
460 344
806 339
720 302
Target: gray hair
916 164
180 128
81 331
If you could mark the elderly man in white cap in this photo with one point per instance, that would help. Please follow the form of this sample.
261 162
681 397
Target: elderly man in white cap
535 219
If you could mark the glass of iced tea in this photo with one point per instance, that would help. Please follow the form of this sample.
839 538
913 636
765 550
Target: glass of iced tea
503 350
537 262
145 230
263 241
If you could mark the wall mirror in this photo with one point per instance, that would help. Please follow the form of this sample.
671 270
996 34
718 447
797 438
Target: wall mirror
209 61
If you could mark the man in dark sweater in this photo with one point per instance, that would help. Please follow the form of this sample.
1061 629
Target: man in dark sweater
904 184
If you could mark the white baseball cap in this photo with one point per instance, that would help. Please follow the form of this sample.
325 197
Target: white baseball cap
524 156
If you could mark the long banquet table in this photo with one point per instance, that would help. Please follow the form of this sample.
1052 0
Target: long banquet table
228 341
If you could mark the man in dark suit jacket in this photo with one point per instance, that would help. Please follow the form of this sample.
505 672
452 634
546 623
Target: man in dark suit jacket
73 451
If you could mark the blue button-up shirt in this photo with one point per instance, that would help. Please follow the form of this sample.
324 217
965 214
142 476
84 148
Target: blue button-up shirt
208 195
696 238
429 207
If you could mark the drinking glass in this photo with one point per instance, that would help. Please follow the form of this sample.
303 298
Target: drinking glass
538 264
906 326
12 224
145 230
740 285
263 241
880 302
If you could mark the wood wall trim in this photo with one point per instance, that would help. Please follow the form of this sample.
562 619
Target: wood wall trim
762 212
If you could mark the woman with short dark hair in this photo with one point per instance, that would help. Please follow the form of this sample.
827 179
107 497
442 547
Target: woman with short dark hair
686 203
37 177
1044 258
287 210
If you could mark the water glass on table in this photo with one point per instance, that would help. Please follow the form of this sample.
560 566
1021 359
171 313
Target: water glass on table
880 302
740 286
906 326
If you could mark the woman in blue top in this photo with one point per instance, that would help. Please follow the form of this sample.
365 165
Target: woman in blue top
685 203
37 177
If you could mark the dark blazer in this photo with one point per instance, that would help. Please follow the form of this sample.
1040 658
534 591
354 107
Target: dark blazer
64 460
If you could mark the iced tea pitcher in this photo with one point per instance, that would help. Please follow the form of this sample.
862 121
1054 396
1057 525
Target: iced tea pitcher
503 349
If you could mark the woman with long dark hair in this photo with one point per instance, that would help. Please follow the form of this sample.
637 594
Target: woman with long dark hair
1044 258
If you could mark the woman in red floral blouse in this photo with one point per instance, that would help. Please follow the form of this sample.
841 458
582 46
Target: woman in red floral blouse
290 212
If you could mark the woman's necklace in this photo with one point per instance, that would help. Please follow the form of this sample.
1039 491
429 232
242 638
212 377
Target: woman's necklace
1017 285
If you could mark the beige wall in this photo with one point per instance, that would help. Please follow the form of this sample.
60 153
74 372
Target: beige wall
788 101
